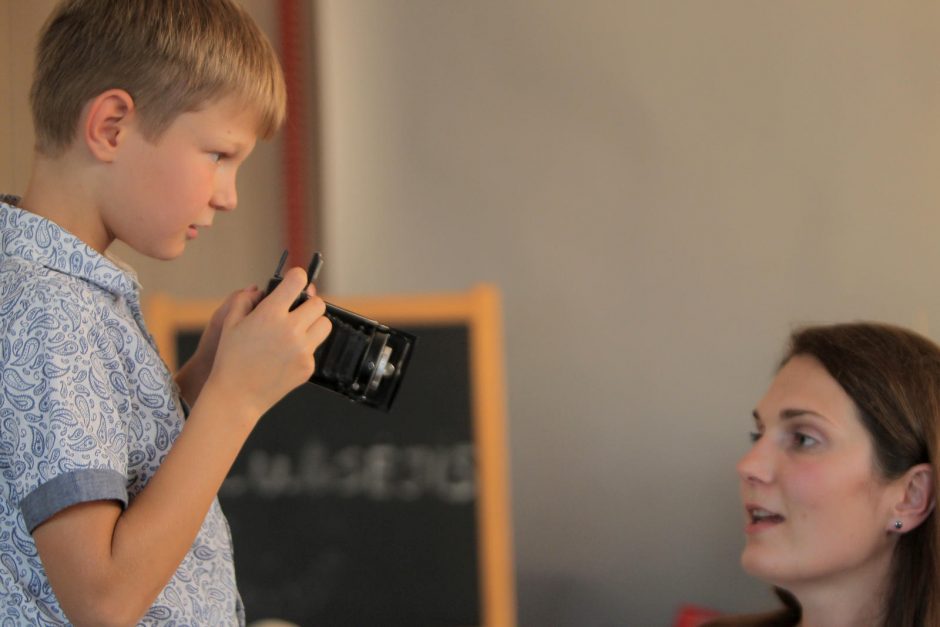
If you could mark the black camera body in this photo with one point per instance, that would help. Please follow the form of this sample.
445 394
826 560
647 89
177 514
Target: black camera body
361 358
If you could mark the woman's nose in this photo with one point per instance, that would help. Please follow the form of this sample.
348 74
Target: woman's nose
757 463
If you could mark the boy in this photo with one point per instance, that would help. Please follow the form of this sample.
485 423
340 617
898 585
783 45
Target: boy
143 110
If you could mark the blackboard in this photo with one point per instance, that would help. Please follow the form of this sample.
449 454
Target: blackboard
344 515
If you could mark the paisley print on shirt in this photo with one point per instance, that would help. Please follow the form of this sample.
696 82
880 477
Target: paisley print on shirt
85 402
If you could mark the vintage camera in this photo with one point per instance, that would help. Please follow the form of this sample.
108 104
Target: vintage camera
361 359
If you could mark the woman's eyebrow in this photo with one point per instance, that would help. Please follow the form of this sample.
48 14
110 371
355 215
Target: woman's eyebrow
796 413
787 414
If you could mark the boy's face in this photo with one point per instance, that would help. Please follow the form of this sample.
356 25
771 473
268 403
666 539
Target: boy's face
163 192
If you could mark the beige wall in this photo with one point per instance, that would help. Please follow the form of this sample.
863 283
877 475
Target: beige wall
6 105
19 22
661 190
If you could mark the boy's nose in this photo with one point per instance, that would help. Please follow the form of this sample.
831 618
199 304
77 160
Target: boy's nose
225 197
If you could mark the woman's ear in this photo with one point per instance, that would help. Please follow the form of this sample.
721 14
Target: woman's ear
107 118
918 498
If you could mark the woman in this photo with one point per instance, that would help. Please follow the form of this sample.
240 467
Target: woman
840 485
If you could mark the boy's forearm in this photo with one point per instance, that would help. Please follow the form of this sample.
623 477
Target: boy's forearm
152 536
191 377
158 528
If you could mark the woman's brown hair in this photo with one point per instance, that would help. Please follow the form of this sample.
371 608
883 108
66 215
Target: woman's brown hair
893 376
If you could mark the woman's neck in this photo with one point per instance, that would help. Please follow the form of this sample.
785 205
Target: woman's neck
856 599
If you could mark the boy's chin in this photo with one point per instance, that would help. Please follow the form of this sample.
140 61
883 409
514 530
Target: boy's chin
163 249
163 253
170 256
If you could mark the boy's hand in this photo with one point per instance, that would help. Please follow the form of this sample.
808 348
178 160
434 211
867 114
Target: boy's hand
264 350
193 374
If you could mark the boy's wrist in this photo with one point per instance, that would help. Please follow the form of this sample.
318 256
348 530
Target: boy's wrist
192 376
223 400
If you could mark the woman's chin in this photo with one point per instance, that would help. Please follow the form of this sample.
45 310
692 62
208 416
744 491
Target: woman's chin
757 563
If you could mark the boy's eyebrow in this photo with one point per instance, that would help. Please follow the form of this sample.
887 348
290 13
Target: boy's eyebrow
235 148
235 144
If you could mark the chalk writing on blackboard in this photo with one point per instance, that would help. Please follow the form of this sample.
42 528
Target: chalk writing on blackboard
380 472
341 516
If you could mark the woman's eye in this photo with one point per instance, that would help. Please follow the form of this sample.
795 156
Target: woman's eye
754 435
801 440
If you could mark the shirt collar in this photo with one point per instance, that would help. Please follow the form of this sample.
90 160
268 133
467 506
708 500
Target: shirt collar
34 238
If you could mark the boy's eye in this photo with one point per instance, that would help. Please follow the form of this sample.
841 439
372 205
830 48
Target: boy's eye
754 435
217 156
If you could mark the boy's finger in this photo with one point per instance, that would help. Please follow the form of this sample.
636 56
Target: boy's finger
254 294
319 331
309 311
242 304
287 292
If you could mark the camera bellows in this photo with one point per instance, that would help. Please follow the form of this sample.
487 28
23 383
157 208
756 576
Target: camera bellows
341 354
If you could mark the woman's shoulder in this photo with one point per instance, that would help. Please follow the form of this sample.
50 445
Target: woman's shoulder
779 618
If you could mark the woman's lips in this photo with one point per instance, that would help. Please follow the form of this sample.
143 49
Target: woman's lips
760 519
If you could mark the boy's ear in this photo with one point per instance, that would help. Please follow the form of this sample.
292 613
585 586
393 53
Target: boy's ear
107 121
918 499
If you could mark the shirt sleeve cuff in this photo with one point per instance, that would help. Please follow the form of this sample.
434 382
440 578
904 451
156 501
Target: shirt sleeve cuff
78 486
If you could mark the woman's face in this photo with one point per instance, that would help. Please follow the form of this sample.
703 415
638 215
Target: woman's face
815 504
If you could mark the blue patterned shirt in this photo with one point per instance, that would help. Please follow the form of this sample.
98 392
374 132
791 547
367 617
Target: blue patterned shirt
88 411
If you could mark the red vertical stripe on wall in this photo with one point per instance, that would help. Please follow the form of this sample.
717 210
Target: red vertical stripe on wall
290 17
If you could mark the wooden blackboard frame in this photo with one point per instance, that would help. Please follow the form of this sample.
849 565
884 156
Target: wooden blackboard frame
480 310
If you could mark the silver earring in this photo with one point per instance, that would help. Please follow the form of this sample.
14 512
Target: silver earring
898 524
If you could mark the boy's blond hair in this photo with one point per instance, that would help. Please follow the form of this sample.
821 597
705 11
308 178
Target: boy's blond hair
171 56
